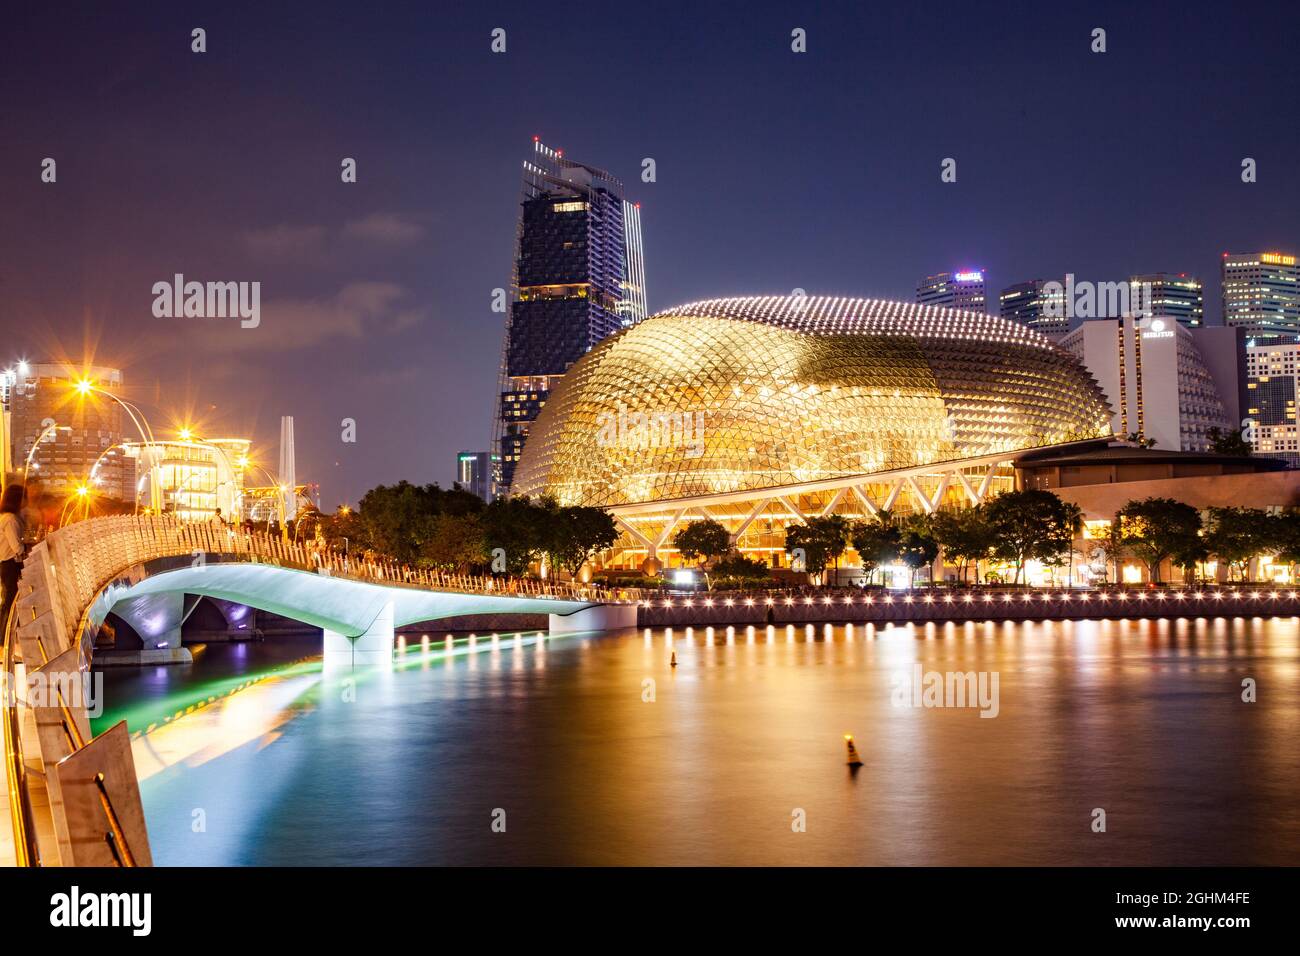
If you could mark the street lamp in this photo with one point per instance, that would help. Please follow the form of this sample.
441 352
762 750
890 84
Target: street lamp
50 429
86 387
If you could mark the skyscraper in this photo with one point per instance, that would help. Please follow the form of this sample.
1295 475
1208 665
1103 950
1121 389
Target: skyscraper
579 277
953 290
1175 295
1261 292
474 473
1031 305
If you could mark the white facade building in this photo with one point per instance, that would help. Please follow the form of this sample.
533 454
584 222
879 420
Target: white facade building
1157 379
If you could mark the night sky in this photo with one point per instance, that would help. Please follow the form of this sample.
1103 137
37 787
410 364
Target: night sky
775 171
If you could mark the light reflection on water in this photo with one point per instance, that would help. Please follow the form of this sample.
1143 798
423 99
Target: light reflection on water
1141 718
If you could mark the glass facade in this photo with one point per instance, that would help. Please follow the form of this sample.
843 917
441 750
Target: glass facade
579 278
1261 292
734 395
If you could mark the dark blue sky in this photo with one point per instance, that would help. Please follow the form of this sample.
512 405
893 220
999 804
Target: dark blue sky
775 171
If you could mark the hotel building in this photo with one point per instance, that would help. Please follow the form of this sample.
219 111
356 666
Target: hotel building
953 290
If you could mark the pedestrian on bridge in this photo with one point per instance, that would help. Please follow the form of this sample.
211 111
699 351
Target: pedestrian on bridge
11 546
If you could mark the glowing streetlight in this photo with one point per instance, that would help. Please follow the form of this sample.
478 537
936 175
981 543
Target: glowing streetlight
86 387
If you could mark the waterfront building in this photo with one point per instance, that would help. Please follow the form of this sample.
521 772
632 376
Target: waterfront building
194 477
1156 378
761 411
579 278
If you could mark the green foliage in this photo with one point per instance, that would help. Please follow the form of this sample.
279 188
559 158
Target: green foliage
965 536
877 542
456 543
1154 529
738 571
572 536
1235 535
702 539
821 540
1030 525
1230 442
918 548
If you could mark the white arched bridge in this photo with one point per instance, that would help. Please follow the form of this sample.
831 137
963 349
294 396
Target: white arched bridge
141 569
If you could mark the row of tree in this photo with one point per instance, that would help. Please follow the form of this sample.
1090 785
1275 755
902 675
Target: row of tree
1031 525
1156 530
1015 528
452 529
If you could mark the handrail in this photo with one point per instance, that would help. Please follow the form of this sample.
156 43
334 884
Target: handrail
115 837
26 849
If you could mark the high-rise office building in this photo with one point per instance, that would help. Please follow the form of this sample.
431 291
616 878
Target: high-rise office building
1261 292
474 470
1272 377
579 278
71 433
953 290
1160 377
1174 295
1032 305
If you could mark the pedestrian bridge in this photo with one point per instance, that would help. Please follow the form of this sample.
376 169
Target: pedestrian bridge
74 798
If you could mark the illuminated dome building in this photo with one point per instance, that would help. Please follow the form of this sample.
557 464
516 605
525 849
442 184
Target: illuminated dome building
762 411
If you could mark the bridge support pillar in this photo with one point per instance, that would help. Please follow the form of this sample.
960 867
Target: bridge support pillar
602 617
157 618
374 648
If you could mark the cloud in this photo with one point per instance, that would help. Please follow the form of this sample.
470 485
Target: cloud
286 242
384 227
359 310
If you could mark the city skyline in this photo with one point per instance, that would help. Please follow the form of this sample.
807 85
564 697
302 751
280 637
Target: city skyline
377 295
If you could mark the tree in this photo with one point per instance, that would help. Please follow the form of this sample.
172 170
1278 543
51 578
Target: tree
513 533
821 541
399 520
918 548
965 536
574 535
1235 535
702 539
1154 529
876 541
456 543
1028 525
1140 440
736 570
1229 442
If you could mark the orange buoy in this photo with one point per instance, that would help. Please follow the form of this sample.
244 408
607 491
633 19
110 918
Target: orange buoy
854 759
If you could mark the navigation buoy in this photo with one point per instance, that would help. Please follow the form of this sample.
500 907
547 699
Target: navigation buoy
673 662
854 759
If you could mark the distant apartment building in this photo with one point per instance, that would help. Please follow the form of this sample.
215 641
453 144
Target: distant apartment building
1035 306
1174 295
1272 373
1261 292
66 434
1165 382
474 470
953 290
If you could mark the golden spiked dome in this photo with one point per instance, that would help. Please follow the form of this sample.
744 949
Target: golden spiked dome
742 394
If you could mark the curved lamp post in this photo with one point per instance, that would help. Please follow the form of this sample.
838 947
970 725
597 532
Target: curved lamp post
85 387
50 429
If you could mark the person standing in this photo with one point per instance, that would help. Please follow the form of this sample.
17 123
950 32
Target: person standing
11 546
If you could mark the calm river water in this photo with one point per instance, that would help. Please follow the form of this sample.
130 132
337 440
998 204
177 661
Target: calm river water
741 743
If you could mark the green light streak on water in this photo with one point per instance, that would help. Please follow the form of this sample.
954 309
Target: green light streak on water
142 714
